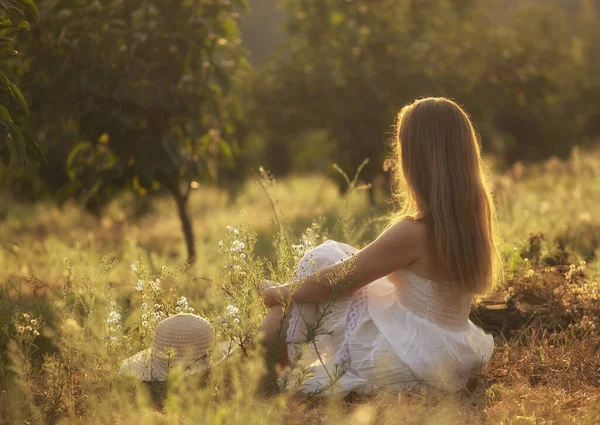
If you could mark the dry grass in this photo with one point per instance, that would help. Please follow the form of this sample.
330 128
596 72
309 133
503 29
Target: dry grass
545 368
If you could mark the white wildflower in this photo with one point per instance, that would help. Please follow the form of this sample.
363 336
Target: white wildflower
298 248
155 284
237 246
183 304
114 318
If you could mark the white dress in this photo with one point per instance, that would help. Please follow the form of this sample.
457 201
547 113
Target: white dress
399 332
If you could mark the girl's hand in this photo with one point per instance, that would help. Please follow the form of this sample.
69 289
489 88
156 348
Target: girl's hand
272 293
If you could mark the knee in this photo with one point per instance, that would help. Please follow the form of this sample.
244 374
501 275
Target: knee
324 255
314 259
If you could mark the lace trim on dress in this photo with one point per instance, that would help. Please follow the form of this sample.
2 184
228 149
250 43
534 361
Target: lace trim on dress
354 313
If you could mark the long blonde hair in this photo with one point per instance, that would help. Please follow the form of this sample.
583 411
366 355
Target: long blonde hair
441 179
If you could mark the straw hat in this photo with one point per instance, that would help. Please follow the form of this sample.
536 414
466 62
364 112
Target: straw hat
183 340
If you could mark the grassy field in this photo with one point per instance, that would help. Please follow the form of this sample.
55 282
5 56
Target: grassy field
78 294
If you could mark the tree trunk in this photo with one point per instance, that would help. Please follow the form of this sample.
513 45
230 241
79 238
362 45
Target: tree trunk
186 227
186 220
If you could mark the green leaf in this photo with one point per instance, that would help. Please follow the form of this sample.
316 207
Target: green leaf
33 149
18 142
15 15
15 134
6 12
17 95
7 47
4 82
30 8
14 92
5 116
25 25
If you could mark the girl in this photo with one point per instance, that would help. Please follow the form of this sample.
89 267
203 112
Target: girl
398 310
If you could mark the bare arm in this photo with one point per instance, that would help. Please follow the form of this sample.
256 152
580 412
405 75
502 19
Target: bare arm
392 250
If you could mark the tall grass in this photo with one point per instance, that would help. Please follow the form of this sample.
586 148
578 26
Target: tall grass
78 295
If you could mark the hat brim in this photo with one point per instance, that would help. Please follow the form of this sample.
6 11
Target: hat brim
146 366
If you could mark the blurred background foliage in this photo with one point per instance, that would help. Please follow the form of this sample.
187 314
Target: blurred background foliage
14 18
525 70
164 95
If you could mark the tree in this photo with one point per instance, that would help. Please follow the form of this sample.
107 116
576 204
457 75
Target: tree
586 56
15 16
527 74
529 94
148 84
349 66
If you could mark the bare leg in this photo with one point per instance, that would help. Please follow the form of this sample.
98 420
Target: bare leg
273 331
272 337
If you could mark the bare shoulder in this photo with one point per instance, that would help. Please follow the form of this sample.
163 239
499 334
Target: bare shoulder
423 258
410 230
399 246
408 236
